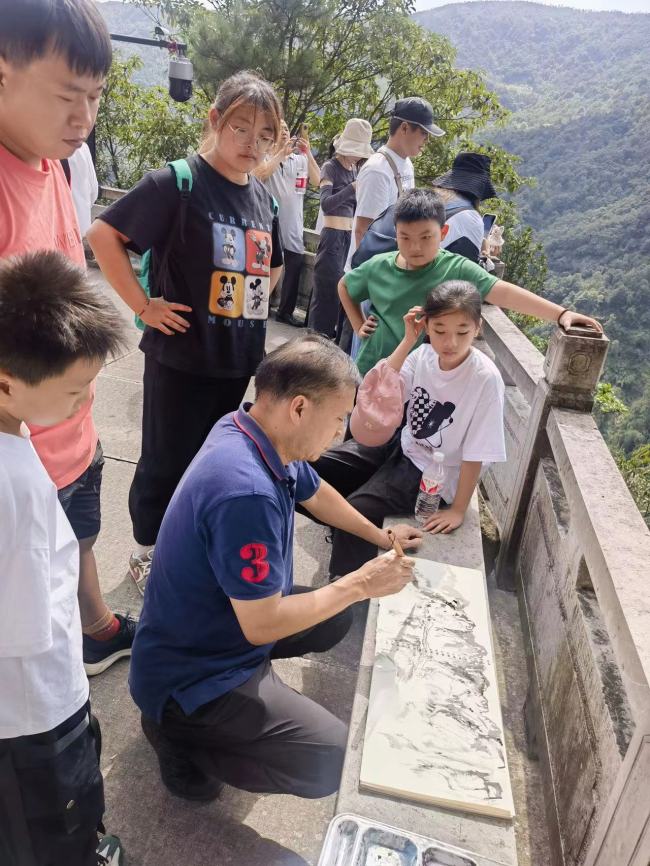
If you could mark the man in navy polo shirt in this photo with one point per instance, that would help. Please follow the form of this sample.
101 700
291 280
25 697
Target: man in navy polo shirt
220 603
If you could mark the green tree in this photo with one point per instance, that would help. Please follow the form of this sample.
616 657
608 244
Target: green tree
140 128
330 60
635 469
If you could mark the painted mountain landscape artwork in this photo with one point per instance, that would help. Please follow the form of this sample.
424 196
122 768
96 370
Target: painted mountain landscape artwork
434 732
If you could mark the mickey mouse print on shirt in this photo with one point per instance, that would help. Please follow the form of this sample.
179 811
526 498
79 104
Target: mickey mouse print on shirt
258 252
240 287
229 247
256 299
227 294
427 418
458 412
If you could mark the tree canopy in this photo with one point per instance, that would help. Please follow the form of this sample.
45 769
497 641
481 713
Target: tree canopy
330 60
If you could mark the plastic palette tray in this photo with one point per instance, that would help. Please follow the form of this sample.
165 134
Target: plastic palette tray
355 841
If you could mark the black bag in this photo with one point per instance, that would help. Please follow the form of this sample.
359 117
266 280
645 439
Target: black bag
381 236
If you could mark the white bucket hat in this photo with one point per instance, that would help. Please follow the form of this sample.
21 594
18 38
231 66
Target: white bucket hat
355 139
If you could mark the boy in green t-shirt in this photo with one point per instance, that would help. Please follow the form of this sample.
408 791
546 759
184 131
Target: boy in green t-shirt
396 282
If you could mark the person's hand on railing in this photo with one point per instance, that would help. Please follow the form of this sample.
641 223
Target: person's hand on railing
444 521
160 314
568 318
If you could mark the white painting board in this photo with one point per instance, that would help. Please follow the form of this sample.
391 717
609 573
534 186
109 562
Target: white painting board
434 732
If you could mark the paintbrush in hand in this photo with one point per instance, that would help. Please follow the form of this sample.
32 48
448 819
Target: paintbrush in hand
397 547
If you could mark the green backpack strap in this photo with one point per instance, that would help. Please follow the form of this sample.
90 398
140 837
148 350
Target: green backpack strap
183 176
276 206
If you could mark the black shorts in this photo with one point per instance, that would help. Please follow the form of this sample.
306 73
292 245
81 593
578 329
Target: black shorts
52 795
80 500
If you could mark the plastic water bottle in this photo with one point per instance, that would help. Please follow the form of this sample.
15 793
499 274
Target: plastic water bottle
431 484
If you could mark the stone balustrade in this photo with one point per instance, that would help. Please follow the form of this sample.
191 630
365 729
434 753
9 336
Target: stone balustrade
577 551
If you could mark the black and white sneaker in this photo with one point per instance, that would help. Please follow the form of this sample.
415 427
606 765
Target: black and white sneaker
110 852
101 654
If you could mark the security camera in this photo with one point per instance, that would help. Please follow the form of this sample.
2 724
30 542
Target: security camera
181 74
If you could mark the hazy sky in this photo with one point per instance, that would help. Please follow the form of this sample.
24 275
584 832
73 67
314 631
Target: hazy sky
598 5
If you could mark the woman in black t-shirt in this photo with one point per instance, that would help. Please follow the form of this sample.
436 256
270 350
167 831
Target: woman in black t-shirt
210 284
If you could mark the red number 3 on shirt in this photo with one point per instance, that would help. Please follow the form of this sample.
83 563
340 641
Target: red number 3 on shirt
255 554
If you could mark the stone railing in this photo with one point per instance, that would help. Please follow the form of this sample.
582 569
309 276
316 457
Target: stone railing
574 546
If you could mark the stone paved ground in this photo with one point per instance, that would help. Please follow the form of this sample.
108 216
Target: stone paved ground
240 829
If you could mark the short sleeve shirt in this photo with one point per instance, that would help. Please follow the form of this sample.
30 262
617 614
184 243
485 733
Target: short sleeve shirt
41 663
288 185
392 292
84 186
234 511
221 269
37 213
377 189
338 188
458 412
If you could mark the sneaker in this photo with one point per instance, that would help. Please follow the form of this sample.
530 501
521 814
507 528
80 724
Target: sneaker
180 775
139 568
101 654
110 852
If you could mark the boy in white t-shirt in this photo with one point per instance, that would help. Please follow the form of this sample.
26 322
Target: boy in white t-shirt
55 334
454 395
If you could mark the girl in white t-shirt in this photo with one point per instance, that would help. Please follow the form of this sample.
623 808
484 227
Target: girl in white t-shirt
454 395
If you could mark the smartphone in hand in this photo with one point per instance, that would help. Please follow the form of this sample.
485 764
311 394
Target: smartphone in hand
488 222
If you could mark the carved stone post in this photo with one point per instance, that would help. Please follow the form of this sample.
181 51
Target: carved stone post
573 365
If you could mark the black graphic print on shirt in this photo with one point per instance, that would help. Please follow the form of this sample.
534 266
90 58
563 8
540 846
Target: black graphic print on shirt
428 418
239 288
220 267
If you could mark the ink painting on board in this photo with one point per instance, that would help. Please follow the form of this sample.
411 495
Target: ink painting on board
434 732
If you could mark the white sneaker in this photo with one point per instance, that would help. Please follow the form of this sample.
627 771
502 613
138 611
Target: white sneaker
139 568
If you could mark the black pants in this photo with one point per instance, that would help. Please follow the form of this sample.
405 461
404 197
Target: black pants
328 270
264 736
290 283
52 795
378 482
179 410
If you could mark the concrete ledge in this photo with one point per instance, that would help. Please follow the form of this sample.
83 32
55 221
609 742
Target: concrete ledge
493 840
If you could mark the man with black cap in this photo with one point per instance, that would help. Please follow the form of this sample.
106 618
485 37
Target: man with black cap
390 171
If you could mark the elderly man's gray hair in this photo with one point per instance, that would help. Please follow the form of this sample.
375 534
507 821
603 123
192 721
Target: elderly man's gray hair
310 365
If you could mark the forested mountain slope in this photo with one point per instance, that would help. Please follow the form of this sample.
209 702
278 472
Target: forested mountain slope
578 84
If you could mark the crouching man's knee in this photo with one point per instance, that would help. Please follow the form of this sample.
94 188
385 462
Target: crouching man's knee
321 763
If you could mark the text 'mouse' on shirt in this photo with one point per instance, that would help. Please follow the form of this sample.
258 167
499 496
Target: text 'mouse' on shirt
227 533
222 270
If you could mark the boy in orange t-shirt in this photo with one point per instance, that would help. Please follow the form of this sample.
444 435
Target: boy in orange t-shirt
54 57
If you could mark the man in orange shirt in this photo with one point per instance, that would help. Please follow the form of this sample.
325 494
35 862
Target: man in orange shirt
54 56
